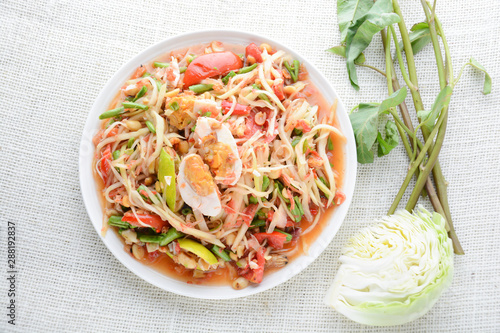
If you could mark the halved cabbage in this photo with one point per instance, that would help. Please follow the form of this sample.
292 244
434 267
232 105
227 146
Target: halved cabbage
394 271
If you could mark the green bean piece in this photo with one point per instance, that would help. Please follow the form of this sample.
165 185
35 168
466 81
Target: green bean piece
265 183
290 70
288 236
142 188
258 223
264 97
225 79
253 200
297 132
330 143
323 180
158 84
141 93
158 64
186 211
296 66
130 142
151 127
146 74
261 215
261 96
305 146
221 253
298 208
116 154
201 88
132 105
112 113
174 106
151 238
280 194
182 69
116 221
296 140
247 69
171 235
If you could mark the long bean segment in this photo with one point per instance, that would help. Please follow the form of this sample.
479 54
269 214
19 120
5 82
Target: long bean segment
293 70
161 64
112 113
162 239
247 69
221 253
116 221
141 93
151 127
201 88
133 105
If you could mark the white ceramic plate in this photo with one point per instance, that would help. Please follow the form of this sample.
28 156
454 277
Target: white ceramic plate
89 190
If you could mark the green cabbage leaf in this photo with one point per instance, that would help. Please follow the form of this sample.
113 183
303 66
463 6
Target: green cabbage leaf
394 271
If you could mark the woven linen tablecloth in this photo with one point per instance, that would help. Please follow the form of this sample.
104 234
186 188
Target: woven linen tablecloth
55 56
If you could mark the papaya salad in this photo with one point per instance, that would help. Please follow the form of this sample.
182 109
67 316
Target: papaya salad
217 158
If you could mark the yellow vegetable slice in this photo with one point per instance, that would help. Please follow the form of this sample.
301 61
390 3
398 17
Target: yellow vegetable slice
166 176
198 249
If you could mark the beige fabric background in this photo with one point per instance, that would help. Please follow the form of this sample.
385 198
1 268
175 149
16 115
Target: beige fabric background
56 55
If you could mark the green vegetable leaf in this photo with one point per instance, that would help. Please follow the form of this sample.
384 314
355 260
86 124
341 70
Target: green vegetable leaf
349 11
391 139
420 36
394 100
428 118
487 78
365 123
360 33
340 51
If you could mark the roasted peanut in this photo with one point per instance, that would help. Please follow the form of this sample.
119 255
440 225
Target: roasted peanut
265 46
148 181
230 239
133 125
138 251
289 90
251 60
183 147
125 201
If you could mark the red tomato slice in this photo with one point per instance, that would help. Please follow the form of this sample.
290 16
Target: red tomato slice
239 109
154 221
256 275
254 51
278 91
211 64
104 166
339 198
275 239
